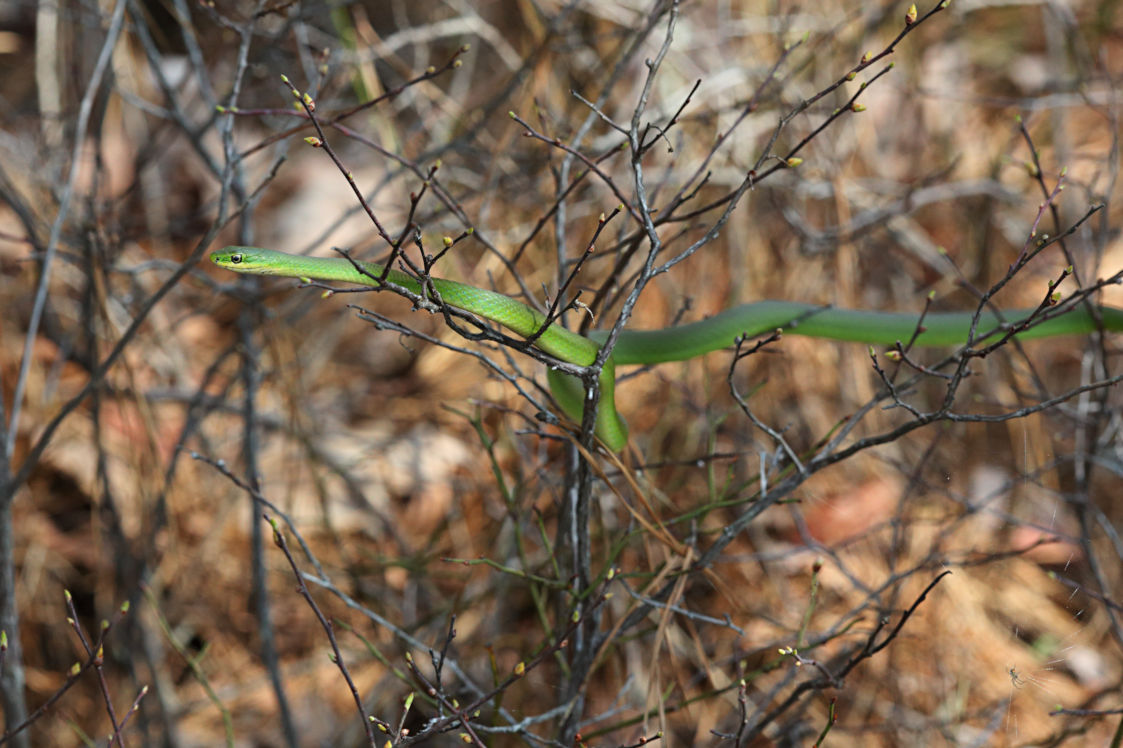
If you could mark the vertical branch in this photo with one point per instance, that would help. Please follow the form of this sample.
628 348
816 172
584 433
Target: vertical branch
12 679
573 544
259 595
577 511
12 676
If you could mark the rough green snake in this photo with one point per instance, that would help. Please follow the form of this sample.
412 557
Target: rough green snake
670 344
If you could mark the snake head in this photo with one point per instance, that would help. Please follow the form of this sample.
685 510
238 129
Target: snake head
247 260
229 257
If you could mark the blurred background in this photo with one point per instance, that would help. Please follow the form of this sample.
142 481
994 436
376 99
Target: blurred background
155 407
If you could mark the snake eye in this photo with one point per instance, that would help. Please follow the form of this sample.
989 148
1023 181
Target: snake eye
236 258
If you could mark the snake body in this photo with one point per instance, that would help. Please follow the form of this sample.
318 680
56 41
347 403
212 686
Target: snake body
669 344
